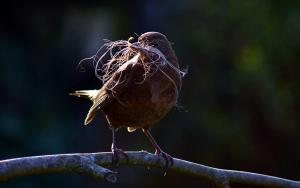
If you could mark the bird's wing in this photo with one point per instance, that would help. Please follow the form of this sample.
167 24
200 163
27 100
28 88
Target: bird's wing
115 86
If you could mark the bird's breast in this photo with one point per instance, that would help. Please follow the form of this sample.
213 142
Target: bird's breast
146 100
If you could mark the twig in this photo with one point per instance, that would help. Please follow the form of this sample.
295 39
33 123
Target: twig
91 164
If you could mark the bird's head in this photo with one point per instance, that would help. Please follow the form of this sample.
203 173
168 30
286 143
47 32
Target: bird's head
160 42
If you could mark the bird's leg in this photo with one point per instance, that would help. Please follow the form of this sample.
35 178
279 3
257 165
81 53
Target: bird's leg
158 150
116 151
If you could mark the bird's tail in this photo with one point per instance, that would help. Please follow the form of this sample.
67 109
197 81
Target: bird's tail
90 94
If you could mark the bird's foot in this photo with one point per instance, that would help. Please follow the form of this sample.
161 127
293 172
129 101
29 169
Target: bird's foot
168 159
116 156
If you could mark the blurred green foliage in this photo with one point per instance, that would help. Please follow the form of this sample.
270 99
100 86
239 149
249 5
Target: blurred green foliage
241 95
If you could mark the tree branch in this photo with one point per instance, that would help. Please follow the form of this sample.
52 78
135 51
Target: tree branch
91 164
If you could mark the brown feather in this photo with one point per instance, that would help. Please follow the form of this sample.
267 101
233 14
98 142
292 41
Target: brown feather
142 90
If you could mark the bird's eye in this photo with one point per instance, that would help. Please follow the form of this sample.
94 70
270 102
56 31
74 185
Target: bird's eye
155 44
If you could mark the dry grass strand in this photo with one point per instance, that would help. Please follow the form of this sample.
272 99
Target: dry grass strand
117 53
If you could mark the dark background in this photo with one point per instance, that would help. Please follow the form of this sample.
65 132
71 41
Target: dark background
241 95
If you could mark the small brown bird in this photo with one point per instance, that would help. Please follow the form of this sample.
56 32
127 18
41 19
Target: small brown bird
139 90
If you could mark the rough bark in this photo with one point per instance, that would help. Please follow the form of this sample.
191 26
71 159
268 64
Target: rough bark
92 164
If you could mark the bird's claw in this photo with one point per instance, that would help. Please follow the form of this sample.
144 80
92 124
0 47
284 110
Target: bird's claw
116 156
168 159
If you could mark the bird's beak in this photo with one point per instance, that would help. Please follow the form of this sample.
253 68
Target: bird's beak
139 49
141 39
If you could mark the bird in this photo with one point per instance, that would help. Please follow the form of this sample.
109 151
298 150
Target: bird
136 97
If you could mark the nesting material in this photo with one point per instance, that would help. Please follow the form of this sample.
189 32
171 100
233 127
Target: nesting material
114 54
